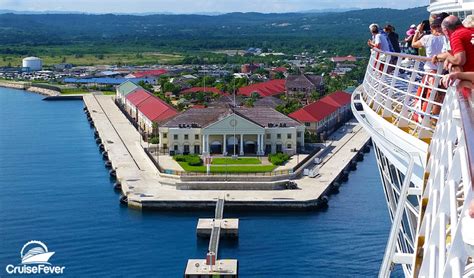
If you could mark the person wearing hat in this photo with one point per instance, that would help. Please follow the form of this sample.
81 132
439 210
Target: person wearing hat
409 39
378 40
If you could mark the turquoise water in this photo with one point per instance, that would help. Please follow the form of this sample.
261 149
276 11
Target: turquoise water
55 188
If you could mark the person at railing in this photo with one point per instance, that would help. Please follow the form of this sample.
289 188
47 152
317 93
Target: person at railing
409 39
462 50
378 40
433 44
466 79
467 230
393 38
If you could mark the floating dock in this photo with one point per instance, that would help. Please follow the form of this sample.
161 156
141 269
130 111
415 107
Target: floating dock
145 187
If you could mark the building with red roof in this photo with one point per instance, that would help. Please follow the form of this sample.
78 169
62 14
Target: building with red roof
145 108
324 115
133 99
203 89
147 73
264 89
340 59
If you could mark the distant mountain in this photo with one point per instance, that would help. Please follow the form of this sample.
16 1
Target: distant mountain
337 10
196 32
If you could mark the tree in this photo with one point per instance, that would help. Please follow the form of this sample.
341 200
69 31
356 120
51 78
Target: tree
146 86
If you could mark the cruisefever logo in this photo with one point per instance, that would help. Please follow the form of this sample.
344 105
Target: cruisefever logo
34 260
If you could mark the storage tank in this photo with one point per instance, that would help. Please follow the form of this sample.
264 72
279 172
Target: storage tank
33 63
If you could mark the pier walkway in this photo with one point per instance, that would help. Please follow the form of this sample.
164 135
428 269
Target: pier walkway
144 186
211 265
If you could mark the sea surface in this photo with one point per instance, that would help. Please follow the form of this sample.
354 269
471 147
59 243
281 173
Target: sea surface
54 188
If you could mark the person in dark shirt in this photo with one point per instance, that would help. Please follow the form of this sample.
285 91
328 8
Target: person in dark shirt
393 38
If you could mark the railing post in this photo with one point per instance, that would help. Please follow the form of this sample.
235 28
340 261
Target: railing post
404 115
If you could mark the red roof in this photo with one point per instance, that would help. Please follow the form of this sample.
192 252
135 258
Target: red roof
141 74
264 89
198 106
280 69
137 96
322 108
203 89
344 59
156 109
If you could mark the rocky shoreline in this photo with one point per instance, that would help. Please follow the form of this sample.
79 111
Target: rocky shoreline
29 87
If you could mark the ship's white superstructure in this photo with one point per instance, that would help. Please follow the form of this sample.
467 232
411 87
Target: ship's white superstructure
424 158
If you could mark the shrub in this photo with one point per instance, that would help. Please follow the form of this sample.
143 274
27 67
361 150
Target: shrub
180 158
278 158
194 161
154 140
190 159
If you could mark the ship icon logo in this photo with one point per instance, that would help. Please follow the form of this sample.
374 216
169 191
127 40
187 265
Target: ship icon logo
35 252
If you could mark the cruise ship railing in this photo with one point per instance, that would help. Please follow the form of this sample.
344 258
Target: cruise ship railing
398 88
448 191
392 254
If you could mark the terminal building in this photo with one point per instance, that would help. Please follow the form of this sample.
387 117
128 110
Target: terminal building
219 130
229 131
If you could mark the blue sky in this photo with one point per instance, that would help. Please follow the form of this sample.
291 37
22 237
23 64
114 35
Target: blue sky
193 6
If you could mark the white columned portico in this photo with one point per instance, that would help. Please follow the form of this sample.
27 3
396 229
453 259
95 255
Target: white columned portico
241 144
260 144
203 144
224 145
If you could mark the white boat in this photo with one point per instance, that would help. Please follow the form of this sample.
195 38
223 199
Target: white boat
425 161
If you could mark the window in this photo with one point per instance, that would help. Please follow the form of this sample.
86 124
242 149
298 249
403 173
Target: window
268 149
269 136
196 136
307 124
186 136
186 149
279 148
197 149
288 146
278 136
175 136
298 134
175 148
165 135
288 136
165 146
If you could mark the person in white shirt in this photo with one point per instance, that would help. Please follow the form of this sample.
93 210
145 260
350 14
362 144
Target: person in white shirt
378 40
433 43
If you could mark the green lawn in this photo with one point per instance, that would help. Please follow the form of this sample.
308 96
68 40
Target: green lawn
73 91
229 169
231 161
108 93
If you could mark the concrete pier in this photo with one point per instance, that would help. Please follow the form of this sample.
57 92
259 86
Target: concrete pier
229 227
145 187
222 268
211 265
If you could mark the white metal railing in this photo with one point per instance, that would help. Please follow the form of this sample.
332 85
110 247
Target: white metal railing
391 88
395 252
396 87
448 191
